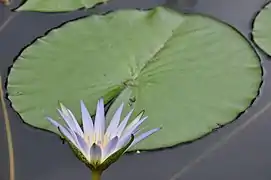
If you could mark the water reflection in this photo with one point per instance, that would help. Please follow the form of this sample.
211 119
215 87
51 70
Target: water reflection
183 5
187 3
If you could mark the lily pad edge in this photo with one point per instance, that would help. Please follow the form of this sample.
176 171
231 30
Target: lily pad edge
169 146
252 33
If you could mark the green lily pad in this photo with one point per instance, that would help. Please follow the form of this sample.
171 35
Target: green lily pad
188 72
262 29
57 5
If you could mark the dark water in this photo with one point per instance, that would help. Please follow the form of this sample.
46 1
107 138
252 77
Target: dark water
239 151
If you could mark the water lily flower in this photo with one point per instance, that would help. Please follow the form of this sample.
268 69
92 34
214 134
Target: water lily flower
94 144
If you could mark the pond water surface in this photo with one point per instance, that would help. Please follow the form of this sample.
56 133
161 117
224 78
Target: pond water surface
238 151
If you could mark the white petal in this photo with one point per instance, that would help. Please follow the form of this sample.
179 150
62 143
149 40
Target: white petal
114 123
132 130
74 136
143 136
138 131
53 122
110 148
69 122
134 125
87 122
99 124
68 133
84 148
135 121
123 141
95 154
124 123
68 116
64 131
64 109
77 126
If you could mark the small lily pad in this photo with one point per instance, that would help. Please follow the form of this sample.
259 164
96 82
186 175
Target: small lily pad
262 29
57 5
188 72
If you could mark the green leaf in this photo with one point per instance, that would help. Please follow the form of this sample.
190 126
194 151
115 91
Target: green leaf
262 29
188 72
57 5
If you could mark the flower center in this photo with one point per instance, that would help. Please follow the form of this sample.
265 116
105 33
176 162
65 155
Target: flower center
92 139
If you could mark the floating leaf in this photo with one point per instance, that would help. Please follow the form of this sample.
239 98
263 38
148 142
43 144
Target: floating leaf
188 72
57 5
262 29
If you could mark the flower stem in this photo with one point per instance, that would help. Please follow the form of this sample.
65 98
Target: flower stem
96 175
9 136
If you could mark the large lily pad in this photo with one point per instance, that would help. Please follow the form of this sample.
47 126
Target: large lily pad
262 29
189 72
57 5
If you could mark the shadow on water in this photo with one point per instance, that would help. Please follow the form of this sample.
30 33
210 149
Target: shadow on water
42 156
